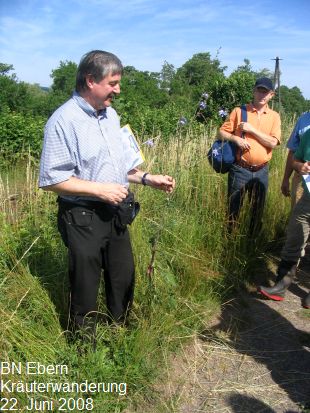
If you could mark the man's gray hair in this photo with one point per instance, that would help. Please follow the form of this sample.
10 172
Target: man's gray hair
98 64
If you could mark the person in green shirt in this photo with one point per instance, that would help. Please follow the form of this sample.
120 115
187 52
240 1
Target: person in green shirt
297 231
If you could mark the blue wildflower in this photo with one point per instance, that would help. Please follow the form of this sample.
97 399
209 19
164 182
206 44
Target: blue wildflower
222 113
205 95
182 121
202 105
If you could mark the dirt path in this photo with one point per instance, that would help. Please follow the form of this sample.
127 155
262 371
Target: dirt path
255 358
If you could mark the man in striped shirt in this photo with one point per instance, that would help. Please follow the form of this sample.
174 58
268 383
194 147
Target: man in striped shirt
83 161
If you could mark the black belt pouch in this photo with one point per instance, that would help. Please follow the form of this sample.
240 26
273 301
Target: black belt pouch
126 212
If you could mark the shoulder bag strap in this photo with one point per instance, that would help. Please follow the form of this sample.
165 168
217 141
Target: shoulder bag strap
244 117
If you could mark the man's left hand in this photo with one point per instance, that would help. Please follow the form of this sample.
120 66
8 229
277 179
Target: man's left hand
246 127
163 182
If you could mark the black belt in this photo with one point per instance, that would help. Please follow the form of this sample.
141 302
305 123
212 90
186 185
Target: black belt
252 168
88 204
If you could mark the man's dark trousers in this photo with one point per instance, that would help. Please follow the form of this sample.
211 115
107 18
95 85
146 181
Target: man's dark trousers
241 181
94 244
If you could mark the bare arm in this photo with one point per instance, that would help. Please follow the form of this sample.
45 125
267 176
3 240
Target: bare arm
242 143
163 182
301 166
285 186
110 193
266 140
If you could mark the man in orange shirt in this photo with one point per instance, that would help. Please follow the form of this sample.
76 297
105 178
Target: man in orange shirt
255 140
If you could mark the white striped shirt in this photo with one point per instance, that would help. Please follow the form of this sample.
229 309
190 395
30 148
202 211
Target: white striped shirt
81 143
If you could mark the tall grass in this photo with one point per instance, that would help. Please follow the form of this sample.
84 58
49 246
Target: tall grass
196 265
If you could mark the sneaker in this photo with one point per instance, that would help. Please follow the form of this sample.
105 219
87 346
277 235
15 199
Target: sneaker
306 301
277 292
270 293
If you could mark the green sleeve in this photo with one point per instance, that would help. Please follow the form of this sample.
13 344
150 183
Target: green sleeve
303 148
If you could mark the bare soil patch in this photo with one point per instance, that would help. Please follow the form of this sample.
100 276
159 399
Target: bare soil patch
254 358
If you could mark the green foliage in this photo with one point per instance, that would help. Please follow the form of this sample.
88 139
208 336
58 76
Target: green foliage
199 74
292 100
140 93
167 75
5 69
13 94
64 78
200 70
238 88
196 266
196 263
21 135
34 287
32 100
152 103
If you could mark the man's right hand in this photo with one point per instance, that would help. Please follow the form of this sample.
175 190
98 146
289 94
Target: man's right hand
242 143
111 193
108 192
302 168
285 187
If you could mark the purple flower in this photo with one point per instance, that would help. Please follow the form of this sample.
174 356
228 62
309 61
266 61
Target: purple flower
182 121
205 95
222 113
150 143
202 105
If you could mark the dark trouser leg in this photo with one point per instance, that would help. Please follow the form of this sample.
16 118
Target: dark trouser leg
237 179
119 275
294 248
93 243
84 235
257 188
298 230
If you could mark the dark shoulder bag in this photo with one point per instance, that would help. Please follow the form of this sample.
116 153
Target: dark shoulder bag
222 154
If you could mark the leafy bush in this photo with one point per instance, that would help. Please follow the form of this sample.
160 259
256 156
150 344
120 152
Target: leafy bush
20 135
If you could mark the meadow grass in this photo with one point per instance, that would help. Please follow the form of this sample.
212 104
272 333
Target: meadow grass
196 267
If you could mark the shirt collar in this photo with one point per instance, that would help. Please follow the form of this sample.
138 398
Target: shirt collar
84 105
253 109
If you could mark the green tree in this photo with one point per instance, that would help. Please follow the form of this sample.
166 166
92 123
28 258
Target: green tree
239 88
200 70
64 78
5 69
62 87
246 67
198 75
13 93
139 90
143 87
265 73
20 96
292 100
166 76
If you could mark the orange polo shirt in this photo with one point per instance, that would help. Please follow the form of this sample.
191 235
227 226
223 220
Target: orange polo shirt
267 122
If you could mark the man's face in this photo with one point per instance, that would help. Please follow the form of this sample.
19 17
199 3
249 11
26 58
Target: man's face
262 95
103 92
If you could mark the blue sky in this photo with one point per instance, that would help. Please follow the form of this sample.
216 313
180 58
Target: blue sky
35 35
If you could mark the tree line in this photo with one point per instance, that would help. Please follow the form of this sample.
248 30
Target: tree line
152 102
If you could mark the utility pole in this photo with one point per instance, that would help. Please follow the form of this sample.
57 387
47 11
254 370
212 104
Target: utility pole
276 80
